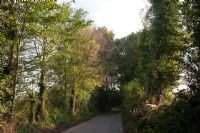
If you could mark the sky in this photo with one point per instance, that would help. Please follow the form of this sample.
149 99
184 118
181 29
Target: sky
121 16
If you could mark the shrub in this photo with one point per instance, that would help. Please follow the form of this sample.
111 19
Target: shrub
179 117
28 128
133 96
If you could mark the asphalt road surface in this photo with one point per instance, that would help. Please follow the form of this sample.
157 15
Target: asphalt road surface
107 123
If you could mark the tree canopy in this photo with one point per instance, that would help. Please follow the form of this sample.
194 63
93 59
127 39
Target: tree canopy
57 67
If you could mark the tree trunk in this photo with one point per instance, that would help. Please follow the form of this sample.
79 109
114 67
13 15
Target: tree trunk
40 114
32 108
15 78
65 79
73 94
73 101
13 68
66 90
158 96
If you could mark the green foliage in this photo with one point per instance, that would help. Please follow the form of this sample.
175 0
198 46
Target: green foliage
186 113
133 92
49 63
28 128
133 96
125 56
165 44
146 62
157 64
59 108
59 117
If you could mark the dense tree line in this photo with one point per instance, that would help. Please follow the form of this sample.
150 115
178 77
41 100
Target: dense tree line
152 60
54 65
51 60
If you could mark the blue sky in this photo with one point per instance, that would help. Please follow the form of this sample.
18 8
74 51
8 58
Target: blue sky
121 16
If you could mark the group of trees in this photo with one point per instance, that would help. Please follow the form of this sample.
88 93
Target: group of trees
150 63
51 60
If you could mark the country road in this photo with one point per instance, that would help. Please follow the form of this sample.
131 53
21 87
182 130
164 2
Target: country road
107 123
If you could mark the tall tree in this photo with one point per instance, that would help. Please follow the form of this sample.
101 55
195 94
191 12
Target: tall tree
125 56
106 40
13 32
41 29
165 44
145 68
67 52
8 33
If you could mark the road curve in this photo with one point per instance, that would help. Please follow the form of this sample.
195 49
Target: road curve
107 123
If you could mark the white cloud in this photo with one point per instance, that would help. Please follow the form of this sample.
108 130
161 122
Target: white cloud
120 16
